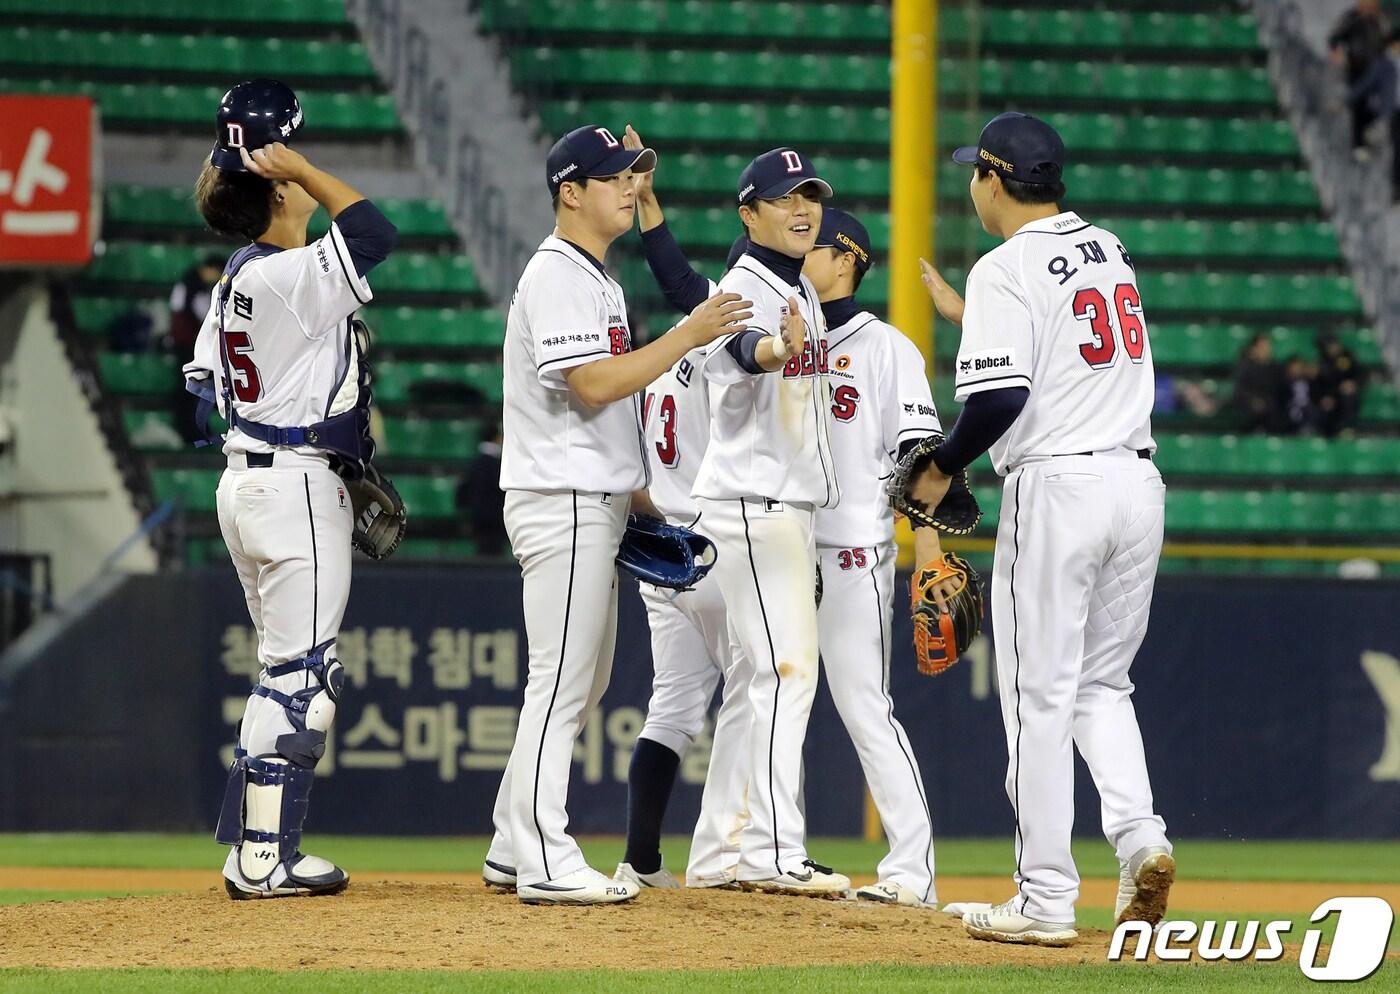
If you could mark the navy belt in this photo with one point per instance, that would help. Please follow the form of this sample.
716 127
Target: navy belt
1141 454
259 460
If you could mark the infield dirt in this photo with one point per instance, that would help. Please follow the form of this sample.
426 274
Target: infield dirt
437 921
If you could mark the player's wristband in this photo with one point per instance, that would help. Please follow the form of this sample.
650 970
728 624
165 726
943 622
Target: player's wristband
780 347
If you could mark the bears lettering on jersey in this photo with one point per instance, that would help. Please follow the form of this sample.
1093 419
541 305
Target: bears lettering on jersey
811 362
619 338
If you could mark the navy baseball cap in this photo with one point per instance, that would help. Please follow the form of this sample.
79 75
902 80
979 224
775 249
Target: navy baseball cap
844 233
1019 147
592 151
776 173
252 114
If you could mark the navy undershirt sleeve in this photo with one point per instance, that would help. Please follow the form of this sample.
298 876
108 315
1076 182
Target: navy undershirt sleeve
682 286
984 419
743 347
368 234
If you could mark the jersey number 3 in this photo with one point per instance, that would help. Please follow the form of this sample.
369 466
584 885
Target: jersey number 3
1089 305
246 383
666 449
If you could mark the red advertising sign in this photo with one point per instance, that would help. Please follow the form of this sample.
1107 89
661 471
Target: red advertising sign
47 214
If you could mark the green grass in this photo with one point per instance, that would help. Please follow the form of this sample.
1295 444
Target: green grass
1342 862
1102 979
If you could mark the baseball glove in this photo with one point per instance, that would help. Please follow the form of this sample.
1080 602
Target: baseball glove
940 639
380 516
663 554
957 513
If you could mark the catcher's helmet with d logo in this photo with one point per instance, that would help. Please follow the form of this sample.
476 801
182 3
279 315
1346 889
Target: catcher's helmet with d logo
253 114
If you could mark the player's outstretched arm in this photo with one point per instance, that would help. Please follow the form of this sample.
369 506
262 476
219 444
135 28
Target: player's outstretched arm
278 162
947 300
649 213
773 351
606 380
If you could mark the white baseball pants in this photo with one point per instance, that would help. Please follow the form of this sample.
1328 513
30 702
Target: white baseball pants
854 622
691 650
566 544
1076 559
766 568
287 528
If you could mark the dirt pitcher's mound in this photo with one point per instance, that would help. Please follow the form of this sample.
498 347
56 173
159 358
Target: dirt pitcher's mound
386 925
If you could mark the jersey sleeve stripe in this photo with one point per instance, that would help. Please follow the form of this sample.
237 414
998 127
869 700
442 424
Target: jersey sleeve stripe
1022 377
574 356
351 277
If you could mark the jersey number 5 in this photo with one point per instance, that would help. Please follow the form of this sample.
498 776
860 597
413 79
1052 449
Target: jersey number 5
1089 305
666 449
246 383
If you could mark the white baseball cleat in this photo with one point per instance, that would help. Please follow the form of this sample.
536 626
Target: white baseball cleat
1003 923
300 876
498 876
888 892
961 908
729 880
808 880
584 886
662 879
1143 884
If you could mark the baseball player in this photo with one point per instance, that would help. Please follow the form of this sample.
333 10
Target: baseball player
880 402
1055 368
277 354
690 642
766 470
572 458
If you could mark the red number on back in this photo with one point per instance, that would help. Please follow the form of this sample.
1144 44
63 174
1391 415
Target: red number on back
1129 304
666 448
1090 305
247 384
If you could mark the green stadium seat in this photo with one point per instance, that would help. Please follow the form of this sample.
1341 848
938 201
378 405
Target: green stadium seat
423 438
194 489
135 374
325 13
428 497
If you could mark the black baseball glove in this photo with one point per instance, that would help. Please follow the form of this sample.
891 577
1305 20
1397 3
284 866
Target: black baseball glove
380 516
957 513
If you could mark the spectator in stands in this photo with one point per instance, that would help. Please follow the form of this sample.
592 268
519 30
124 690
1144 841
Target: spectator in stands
480 498
189 303
1356 43
1298 412
1337 387
1258 381
1176 394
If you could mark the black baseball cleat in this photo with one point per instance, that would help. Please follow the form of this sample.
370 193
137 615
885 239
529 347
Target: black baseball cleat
300 876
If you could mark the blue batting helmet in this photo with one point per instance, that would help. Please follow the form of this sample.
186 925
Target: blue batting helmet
253 114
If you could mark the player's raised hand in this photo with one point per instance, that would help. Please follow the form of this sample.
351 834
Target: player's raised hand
275 161
722 314
794 329
641 182
948 301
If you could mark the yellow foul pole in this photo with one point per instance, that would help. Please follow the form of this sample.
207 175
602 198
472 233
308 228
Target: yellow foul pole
913 129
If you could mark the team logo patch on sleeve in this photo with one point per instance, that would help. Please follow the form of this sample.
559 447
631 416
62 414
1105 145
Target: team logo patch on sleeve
988 361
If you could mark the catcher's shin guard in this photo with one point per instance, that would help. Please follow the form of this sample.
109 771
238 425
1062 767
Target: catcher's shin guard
266 798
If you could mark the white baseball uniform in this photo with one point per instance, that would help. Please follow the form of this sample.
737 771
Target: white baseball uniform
691 646
880 398
767 468
1056 308
288 357
569 472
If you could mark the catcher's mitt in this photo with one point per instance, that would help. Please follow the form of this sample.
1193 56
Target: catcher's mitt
663 554
939 638
380 515
957 513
